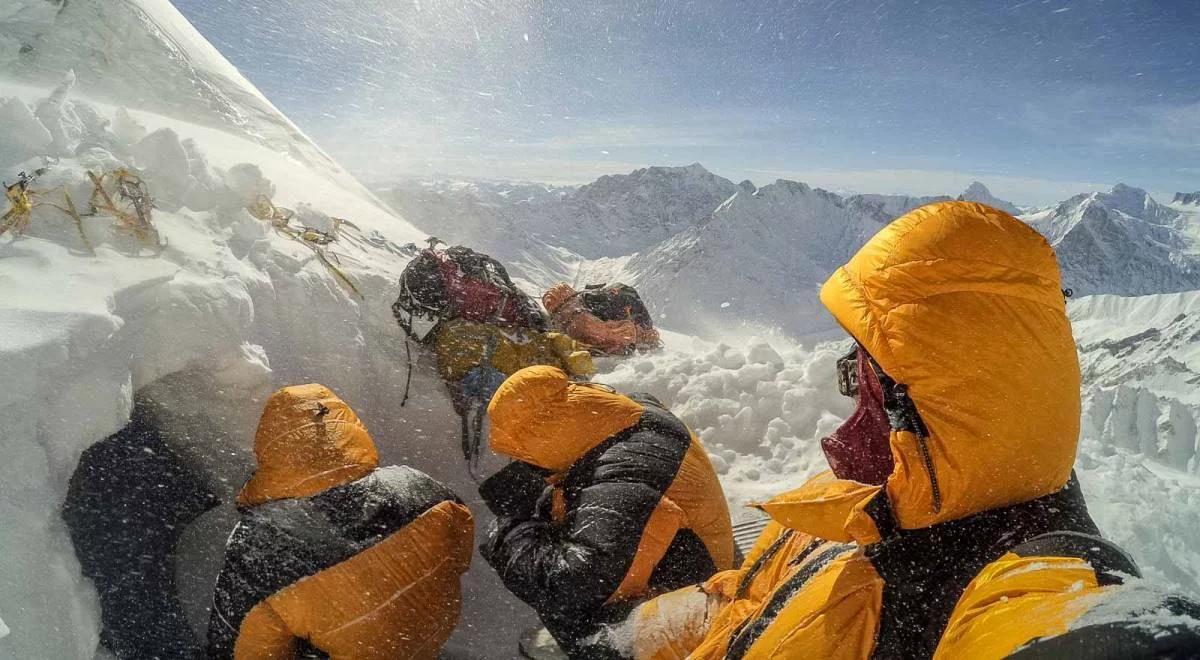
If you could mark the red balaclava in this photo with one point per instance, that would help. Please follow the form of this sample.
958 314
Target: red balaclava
859 449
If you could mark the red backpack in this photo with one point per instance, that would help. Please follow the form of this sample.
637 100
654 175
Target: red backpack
459 282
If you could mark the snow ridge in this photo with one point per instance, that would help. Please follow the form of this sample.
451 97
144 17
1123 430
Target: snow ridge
1122 242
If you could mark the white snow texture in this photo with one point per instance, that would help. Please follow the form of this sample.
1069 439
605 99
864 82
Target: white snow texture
230 309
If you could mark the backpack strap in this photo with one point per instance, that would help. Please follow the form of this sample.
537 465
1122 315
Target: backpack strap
1110 562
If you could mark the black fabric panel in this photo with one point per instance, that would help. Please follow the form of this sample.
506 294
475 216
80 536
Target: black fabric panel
647 399
765 557
926 570
128 501
880 511
687 561
1131 639
1107 559
567 571
514 490
749 634
278 543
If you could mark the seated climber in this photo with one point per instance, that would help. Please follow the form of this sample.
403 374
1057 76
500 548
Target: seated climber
128 502
610 320
482 328
334 555
950 525
610 500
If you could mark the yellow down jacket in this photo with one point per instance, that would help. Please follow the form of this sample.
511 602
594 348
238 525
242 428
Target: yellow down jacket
461 345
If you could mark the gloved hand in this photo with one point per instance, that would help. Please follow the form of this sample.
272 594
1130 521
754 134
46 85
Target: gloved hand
515 490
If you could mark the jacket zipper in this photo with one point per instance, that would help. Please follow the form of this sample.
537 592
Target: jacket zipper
917 426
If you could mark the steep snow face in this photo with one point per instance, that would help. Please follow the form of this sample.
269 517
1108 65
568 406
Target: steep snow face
631 212
760 259
144 54
1122 242
977 192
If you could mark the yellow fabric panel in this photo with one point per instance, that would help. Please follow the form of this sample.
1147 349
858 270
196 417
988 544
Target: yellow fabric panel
698 492
397 599
766 538
461 345
301 452
670 626
264 636
835 615
1015 600
539 416
962 303
827 507
734 611
666 521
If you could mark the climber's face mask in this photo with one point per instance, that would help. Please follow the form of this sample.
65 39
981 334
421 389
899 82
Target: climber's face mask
860 450
847 373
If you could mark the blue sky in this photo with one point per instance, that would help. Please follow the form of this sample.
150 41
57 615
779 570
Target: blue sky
1038 99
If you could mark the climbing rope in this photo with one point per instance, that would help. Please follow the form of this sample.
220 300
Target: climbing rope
314 239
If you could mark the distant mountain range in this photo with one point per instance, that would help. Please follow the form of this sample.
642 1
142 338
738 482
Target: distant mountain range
706 251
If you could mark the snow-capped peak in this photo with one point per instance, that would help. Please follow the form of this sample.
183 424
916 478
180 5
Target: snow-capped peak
977 192
1122 242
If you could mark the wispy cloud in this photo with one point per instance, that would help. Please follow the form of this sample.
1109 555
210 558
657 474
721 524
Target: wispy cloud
1173 127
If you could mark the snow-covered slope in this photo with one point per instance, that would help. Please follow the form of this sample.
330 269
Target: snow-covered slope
615 215
1122 242
759 259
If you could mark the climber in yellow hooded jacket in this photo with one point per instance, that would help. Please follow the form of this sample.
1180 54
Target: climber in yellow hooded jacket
333 555
950 524
609 500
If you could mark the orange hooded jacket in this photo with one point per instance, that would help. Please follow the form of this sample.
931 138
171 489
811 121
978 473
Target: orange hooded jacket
637 508
333 554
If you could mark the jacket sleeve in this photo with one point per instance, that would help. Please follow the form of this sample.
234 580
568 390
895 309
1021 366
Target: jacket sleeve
578 564
1055 607
514 490
263 635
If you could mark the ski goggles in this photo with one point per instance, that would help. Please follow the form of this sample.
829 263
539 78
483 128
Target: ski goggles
847 373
